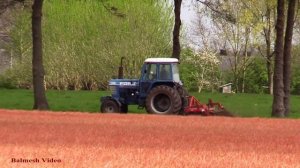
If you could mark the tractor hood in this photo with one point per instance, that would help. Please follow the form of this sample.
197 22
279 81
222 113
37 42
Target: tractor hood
126 83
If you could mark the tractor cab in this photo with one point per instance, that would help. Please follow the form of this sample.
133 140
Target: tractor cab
158 71
161 69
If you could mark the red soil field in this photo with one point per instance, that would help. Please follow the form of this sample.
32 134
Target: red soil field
65 139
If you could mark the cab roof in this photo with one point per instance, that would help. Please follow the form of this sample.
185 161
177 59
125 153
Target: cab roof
161 60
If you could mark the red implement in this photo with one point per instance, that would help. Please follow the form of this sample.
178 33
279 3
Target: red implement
195 107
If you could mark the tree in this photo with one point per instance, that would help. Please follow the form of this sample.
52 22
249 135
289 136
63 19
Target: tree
283 48
205 73
278 105
269 54
287 55
176 30
255 19
263 13
267 16
40 101
234 30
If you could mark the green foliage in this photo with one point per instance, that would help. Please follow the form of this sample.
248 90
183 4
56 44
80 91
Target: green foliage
249 105
190 83
256 78
295 85
237 28
200 70
83 46
7 83
21 51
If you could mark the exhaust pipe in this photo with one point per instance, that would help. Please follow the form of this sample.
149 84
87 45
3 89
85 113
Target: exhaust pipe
121 69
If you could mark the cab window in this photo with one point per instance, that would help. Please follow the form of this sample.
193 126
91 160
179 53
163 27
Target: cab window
165 72
150 72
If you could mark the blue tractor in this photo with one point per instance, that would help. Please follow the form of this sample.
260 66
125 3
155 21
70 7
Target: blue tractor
159 89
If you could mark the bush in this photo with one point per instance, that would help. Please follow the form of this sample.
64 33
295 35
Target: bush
7 83
256 77
200 71
188 80
296 89
295 86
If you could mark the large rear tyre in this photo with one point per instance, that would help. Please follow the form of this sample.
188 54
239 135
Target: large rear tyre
184 98
163 100
110 106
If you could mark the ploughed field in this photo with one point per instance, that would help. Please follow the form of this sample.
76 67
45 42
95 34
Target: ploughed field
61 139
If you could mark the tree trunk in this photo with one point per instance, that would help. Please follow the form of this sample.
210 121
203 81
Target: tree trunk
287 55
247 33
270 75
176 30
235 72
40 101
278 105
269 55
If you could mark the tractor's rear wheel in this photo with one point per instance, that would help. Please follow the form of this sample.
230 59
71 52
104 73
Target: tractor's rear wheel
110 106
163 100
184 98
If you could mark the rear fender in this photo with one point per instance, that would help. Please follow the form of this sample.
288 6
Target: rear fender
170 84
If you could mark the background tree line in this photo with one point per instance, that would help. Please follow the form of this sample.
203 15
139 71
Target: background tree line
82 47
85 43
242 33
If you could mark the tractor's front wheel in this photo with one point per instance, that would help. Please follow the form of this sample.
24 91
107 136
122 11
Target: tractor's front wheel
163 100
110 106
124 108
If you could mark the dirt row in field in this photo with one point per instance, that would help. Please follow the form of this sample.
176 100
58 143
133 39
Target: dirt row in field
61 139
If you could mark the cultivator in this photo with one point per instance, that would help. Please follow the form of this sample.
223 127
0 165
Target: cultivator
211 108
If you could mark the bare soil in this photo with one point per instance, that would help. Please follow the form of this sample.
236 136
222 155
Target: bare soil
68 139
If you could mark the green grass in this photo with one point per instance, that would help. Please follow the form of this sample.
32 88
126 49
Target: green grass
244 105
249 105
